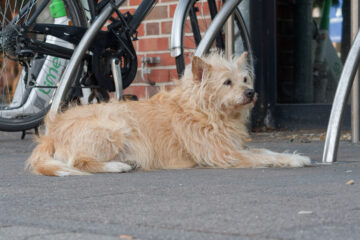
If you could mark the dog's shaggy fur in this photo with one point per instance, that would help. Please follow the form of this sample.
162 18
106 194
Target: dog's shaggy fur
201 122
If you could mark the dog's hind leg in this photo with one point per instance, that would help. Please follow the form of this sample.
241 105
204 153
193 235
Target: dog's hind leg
42 161
89 164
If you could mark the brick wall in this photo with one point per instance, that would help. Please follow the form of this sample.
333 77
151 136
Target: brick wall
154 41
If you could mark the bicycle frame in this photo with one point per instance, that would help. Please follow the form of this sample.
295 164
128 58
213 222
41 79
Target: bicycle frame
141 12
80 50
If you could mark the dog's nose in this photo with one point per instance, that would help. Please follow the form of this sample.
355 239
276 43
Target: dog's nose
249 93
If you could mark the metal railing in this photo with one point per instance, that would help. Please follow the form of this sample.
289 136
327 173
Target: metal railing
341 95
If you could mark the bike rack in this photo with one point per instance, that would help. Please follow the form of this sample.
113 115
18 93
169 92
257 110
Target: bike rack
216 24
342 91
341 95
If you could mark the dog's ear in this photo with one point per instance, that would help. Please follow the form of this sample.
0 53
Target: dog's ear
242 59
198 67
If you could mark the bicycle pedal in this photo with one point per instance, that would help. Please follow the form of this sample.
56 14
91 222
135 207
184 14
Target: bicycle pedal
129 97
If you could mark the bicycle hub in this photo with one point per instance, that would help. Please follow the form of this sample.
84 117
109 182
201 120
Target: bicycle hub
8 39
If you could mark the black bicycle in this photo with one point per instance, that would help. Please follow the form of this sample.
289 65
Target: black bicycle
37 39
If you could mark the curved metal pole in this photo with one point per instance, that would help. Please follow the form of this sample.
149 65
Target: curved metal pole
76 58
216 24
355 86
341 95
178 27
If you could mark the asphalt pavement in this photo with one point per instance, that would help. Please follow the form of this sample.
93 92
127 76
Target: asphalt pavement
316 202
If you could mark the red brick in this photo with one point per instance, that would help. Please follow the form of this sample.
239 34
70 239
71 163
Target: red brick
165 59
162 75
134 2
138 77
136 46
204 8
203 23
173 74
187 26
152 90
139 57
139 91
188 57
126 3
124 10
153 44
141 30
172 10
189 42
166 27
152 29
159 12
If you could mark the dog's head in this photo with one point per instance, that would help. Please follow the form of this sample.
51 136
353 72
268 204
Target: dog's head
225 84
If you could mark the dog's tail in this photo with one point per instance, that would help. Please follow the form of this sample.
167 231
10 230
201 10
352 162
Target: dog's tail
42 162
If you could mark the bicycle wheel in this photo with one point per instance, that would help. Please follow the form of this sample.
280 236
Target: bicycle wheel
198 19
28 79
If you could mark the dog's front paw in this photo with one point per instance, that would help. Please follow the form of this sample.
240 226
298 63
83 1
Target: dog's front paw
299 161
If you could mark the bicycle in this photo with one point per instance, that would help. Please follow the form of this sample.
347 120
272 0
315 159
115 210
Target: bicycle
184 43
103 61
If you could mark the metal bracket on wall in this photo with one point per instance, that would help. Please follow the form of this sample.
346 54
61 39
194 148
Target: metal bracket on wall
145 70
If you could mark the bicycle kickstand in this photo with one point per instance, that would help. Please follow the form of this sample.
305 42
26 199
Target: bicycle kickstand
24 133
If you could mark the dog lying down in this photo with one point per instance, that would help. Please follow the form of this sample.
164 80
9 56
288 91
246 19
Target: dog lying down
200 123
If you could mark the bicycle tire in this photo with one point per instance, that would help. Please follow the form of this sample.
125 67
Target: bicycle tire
242 38
77 17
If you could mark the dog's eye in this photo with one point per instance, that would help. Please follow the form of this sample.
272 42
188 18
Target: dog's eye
228 82
245 79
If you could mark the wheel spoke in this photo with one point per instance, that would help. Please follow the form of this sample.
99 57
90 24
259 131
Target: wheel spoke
4 82
29 12
21 106
4 12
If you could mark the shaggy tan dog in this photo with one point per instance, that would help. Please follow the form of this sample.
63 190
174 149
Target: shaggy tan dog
201 122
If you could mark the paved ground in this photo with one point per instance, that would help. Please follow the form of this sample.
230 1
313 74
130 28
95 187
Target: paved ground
307 203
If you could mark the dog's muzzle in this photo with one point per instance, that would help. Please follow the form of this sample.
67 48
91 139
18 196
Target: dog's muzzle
249 93
250 96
